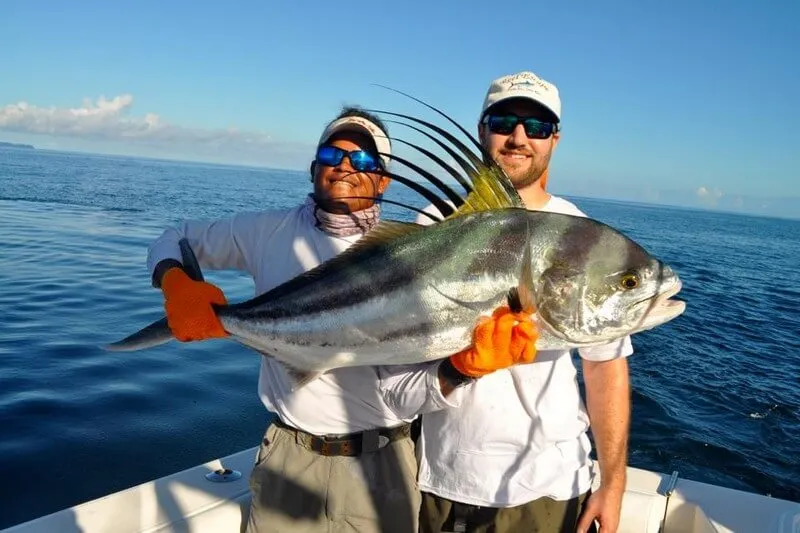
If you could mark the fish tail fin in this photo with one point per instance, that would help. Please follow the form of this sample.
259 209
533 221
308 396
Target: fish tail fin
155 334
159 331
190 264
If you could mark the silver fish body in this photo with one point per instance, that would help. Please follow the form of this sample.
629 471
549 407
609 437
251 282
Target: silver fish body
418 296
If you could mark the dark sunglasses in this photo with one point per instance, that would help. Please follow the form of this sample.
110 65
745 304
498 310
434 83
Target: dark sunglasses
360 160
505 124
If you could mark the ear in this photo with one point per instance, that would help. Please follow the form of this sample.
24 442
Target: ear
482 133
383 183
556 137
311 169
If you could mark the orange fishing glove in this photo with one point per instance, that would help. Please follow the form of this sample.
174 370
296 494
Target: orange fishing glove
188 305
505 339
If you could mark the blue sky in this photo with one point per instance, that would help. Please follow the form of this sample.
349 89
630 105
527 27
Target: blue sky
681 102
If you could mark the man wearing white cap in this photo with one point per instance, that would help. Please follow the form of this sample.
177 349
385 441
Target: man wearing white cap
503 446
336 458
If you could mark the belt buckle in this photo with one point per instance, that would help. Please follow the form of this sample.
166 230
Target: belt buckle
372 440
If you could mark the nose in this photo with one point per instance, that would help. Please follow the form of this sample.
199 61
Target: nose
345 164
518 137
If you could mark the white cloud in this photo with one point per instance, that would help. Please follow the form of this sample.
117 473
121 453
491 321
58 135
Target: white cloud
708 196
111 120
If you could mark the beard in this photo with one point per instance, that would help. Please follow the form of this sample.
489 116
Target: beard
528 174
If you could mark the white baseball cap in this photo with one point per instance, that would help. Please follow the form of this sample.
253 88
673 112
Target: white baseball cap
523 85
361 125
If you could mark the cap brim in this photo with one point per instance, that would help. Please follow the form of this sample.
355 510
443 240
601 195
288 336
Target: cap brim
361 125
522 95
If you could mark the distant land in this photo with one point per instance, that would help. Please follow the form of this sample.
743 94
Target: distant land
15 145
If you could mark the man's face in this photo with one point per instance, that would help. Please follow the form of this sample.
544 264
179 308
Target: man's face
334 183
524 160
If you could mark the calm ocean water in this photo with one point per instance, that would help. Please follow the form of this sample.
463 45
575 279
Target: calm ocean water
716 392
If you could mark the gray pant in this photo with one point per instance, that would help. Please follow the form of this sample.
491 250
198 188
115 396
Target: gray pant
545 515
295 489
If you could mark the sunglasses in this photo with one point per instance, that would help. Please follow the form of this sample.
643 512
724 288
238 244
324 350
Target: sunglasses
505 124
360 160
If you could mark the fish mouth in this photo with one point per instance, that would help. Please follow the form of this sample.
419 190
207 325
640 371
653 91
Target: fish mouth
662 308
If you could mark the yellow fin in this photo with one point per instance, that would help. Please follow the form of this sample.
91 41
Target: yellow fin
491 189
383 232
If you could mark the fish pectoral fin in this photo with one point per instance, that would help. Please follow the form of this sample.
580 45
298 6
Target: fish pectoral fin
383 232
520 298
478 305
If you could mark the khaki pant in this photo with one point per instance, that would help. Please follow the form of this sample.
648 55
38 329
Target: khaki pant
545 515
296 490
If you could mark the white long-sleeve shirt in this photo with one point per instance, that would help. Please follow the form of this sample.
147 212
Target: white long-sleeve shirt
507 438
273 247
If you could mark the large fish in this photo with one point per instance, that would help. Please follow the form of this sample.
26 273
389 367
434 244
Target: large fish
406 293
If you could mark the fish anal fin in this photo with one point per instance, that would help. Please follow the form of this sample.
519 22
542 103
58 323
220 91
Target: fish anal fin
300 378
297 377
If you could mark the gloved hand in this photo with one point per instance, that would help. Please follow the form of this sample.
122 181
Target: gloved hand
505 339
188 305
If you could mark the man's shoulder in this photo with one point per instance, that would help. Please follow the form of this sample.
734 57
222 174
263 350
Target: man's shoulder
267 216
430 209
255 225
558 204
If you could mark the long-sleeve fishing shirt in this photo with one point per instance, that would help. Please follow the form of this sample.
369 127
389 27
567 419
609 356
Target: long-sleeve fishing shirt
273 247
507 438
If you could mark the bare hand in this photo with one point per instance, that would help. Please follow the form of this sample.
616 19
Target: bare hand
604 506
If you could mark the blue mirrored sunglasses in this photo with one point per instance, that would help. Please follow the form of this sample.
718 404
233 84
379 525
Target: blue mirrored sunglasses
360 160
505 124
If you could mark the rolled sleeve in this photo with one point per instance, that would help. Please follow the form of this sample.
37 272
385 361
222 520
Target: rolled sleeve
165 247
411 390
217 244
607 352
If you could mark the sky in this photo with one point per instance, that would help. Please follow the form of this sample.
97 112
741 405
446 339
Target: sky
684 102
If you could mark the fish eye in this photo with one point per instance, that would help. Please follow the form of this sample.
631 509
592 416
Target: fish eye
629 281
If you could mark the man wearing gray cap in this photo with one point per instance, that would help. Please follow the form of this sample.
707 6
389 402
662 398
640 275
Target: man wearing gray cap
505 448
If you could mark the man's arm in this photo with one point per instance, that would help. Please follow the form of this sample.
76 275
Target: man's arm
411 390
500 341
608 403
217 244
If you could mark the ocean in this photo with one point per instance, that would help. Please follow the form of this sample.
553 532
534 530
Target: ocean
716 393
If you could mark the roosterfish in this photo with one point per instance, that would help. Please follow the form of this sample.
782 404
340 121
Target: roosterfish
407 293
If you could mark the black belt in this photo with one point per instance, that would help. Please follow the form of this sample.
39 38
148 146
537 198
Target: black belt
351 444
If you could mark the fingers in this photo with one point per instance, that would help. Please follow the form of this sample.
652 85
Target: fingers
483 333
188 307
500 311
215 295
501 340
585 522
590 513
